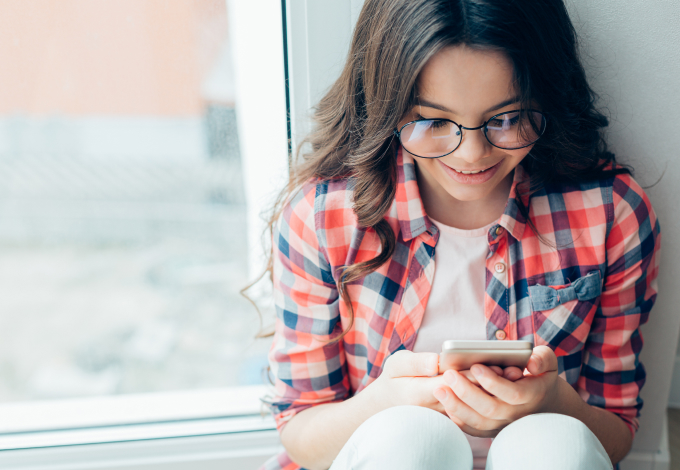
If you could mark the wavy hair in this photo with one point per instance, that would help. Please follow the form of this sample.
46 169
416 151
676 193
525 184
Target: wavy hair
392 41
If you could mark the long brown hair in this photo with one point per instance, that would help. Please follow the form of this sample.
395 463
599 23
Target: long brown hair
392 41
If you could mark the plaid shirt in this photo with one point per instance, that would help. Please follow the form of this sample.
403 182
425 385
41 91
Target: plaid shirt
583 291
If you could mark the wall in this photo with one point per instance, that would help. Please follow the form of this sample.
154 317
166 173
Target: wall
632 56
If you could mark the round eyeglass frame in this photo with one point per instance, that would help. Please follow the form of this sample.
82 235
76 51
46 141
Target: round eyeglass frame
397 133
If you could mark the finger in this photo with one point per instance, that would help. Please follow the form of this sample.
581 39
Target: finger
462 414
473 380
404 363
497 370
542 360
508 392
477 399
468 375
438 407
512 373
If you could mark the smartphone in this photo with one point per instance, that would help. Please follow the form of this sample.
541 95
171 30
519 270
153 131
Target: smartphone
462 354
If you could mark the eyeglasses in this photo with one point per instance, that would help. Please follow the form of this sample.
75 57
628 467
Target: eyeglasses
436 138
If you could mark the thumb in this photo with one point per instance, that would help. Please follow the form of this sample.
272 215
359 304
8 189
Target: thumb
406 363
543 359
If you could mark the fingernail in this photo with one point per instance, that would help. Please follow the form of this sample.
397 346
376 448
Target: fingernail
478 371
433 365
538 363
450 378
440 394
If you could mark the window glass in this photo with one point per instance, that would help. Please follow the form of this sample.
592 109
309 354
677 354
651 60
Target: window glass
122 207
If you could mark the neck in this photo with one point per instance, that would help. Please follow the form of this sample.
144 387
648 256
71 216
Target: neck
465 215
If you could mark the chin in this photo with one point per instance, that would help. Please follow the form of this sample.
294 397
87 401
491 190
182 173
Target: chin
468 195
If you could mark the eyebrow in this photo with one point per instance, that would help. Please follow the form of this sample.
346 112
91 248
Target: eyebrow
429 104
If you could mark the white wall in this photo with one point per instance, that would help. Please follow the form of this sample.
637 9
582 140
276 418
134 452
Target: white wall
632 54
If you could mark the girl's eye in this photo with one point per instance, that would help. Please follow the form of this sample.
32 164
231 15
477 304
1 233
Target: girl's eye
497 123
439 124
434 123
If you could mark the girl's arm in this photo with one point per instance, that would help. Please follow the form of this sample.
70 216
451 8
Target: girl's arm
611 374
609 428
607 394
312 408
308 369
314 437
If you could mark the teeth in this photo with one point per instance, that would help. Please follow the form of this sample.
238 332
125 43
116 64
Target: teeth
469 172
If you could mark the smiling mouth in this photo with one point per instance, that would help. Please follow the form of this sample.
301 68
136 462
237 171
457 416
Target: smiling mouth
472 172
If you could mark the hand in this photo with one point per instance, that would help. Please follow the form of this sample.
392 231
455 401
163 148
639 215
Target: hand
485 411
407 378
410 378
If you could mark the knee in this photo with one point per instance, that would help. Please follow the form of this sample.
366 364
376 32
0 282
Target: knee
414 436
545 428
541 440
409 424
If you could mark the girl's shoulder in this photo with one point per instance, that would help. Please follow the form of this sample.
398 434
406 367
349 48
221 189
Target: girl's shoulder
321 208
325 198
617 197
610 188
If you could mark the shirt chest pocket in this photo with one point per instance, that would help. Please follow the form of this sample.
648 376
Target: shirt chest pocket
562 315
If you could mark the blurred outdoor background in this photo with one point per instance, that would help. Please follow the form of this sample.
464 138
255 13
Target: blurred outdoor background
122 212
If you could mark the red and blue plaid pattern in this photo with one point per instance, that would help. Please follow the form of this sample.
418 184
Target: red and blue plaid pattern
583 288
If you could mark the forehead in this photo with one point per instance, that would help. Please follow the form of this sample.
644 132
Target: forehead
467 81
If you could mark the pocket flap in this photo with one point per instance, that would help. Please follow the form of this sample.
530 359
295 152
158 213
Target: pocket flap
587 287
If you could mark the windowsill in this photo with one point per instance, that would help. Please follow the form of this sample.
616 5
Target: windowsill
40 424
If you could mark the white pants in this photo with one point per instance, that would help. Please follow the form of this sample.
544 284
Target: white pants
415 438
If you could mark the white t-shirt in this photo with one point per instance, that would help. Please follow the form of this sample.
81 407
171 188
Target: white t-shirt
455 309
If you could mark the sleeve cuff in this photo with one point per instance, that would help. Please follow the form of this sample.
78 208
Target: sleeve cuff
631 421
282 418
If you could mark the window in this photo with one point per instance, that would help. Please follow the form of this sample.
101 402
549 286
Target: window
124 215
133 170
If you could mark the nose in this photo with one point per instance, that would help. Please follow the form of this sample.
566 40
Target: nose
474 146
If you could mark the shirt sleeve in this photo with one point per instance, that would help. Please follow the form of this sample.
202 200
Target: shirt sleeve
307 370
612 375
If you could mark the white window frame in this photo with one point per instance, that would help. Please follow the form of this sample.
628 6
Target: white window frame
215 427
318 37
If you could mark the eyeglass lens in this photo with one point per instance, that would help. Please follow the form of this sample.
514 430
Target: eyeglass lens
436 138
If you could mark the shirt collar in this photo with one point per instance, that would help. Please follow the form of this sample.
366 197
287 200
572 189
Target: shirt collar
411 214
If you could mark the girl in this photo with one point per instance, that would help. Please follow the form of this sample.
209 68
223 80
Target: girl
459 188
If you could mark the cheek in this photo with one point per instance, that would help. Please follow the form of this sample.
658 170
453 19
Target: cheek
515 157
429 167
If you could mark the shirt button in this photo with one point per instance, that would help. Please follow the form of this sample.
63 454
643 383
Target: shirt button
500 335
499 230
500 267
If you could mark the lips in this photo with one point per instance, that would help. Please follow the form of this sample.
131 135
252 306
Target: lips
472 172
478 177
